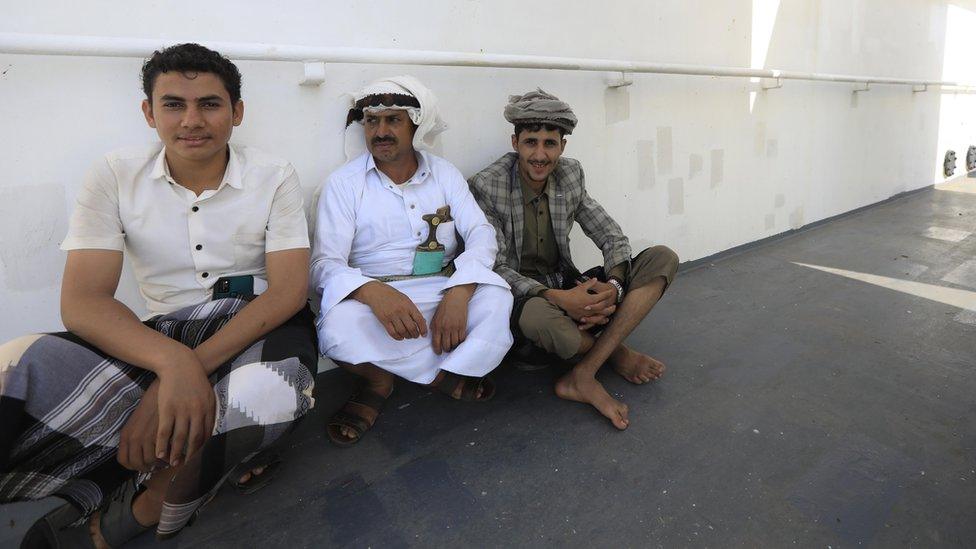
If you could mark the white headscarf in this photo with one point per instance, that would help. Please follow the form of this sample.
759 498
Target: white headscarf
427 117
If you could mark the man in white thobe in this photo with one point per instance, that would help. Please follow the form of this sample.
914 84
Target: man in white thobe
396 300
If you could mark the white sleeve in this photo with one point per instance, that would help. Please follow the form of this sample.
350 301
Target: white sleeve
287 227
335 227
95 221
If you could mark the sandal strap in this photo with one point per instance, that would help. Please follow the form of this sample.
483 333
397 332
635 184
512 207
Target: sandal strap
369 398
352 421
118 524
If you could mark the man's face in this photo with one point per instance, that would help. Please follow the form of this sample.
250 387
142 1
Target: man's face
193 115
389 135
538 153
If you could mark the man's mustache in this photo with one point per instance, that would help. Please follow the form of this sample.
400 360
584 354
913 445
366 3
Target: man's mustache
381 140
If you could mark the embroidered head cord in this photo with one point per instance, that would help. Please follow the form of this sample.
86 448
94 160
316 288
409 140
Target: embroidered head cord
396 92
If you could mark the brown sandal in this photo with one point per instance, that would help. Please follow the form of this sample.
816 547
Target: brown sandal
469 390
350 416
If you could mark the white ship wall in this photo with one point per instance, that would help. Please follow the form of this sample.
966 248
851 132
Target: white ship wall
701 164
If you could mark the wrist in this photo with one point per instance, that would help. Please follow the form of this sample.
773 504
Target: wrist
464 290
619 286
176 361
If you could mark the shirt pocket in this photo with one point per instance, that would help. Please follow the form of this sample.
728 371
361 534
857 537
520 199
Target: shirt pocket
248 251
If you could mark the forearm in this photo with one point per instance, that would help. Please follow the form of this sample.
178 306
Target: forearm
109 325
265 313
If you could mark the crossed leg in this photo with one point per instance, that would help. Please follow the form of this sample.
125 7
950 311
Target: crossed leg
580 383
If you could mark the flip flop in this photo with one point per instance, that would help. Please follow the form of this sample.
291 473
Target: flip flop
256 482
350 416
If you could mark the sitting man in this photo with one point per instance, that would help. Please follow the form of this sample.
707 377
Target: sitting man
215 375
388 265
532 196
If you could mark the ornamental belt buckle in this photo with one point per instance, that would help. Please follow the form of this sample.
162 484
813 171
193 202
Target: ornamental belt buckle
429 257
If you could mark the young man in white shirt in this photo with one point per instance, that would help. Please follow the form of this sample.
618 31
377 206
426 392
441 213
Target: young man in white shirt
216 374
398 296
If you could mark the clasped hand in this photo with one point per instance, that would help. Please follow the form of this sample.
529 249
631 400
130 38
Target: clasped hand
590 303
172 420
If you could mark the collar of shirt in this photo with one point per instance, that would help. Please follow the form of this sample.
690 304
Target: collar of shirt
418 176
232 173
528 195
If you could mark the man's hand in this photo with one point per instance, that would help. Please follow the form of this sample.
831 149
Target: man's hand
583 306
186 409
137 441
398 314
449 326
601 312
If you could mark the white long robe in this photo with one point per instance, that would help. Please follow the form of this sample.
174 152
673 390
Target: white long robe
367 226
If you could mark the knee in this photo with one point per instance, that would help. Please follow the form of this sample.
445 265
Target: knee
549 328
532 322
269 393
661 256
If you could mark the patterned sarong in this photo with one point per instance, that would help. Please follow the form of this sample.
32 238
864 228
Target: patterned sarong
63 404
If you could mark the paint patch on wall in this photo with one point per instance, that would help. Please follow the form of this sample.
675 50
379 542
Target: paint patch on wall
854 99
676 196
770 221
665 161
717 166
695 164
780 200
616 102
759 141
796 218
963 275
772 148
33 221
645 164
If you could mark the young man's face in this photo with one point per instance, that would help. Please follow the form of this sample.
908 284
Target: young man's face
192 114
389 135
538 153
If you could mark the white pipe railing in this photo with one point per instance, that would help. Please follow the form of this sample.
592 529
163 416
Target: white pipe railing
97 46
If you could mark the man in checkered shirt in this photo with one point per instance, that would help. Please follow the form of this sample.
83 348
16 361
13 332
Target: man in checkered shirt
532 196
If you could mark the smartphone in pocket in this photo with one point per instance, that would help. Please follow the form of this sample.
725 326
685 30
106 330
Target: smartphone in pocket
234 286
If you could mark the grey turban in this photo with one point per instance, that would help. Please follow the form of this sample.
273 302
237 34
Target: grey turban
540 107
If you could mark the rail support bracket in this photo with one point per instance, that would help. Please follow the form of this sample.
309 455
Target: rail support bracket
862 87
920 88
621 81
771 86
314 74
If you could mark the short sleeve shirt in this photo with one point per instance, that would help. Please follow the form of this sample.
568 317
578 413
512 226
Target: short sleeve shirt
179 243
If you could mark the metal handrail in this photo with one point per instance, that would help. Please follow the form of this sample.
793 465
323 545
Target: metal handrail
99 46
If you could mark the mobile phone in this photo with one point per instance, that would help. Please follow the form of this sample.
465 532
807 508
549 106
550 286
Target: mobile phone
233 286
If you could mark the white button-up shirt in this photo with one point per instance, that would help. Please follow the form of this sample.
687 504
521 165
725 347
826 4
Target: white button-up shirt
368 226
179 243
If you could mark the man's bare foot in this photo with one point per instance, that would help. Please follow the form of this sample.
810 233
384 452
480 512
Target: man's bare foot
636 367
586 389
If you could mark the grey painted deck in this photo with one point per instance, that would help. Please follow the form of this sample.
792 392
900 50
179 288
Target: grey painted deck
799 407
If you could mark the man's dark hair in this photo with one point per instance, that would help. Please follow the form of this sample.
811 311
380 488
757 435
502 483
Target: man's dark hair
380 100
537 126
191 58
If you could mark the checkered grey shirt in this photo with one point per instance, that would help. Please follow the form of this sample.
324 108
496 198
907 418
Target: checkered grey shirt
501 198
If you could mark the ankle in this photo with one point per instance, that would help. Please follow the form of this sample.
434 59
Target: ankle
146 508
